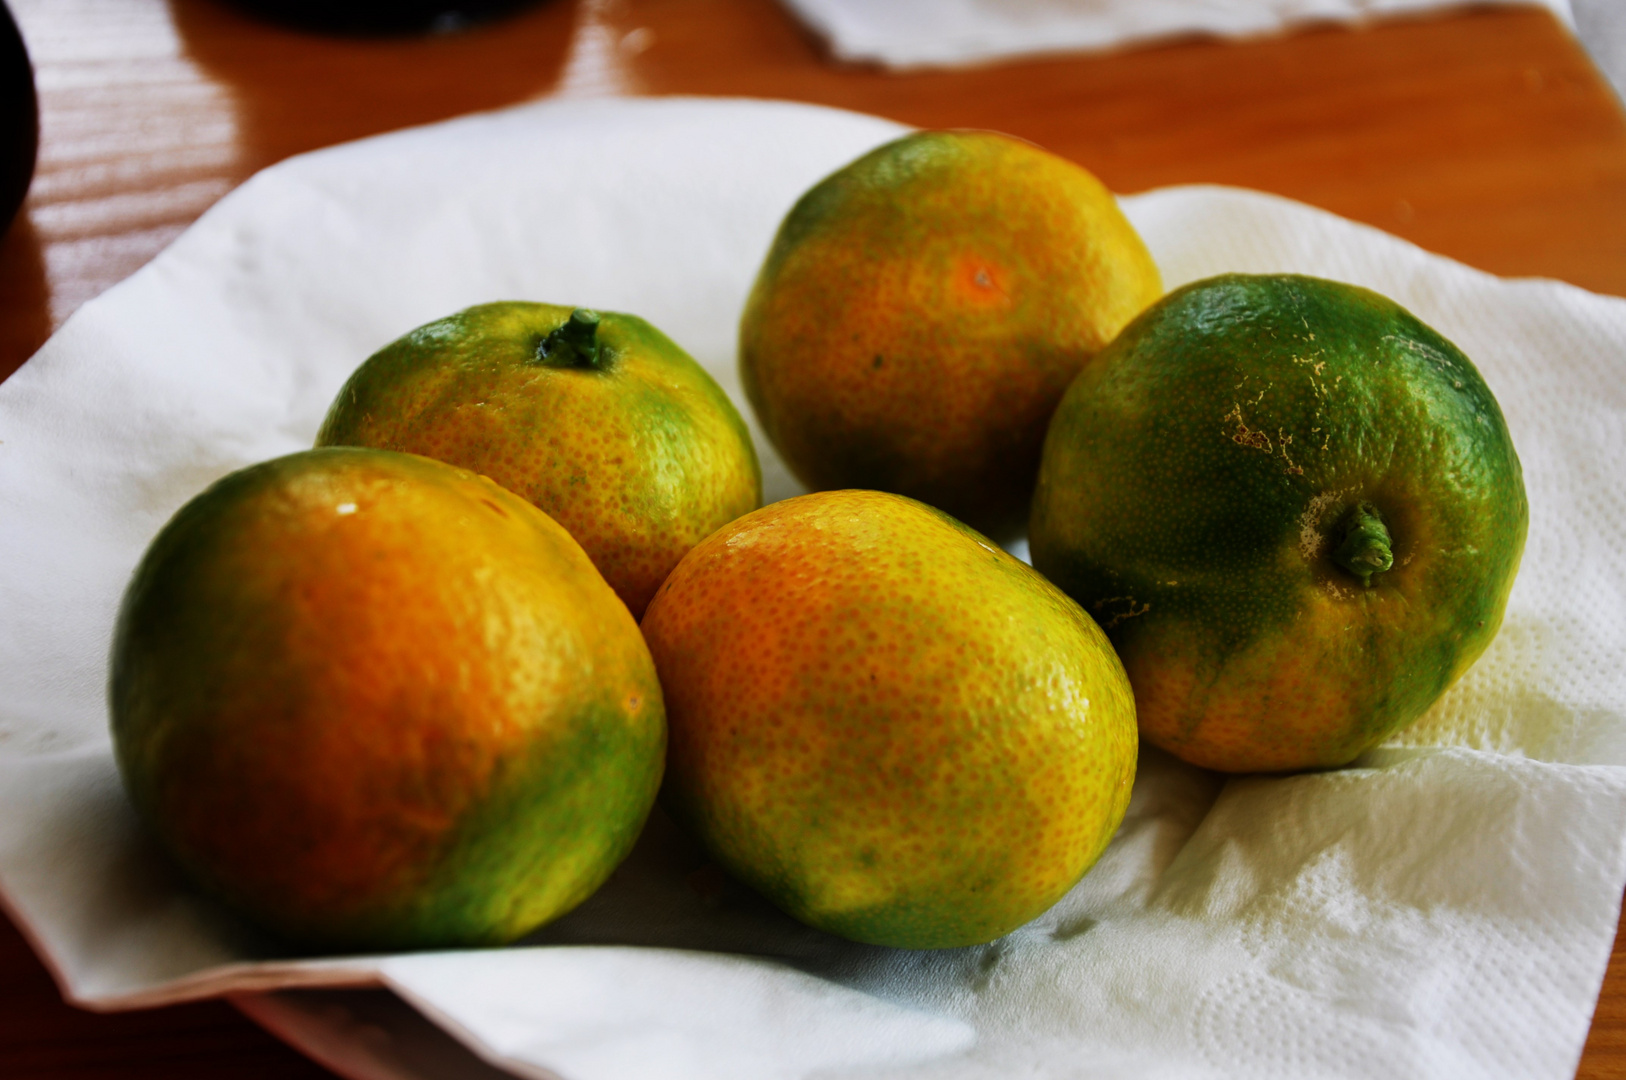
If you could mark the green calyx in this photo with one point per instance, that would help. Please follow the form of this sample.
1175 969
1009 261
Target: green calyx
575 343
1366 548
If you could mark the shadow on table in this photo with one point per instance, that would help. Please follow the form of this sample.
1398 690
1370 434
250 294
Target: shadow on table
296 91
25 308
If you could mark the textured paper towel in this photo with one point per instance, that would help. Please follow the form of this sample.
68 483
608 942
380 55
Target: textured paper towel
1445 908
943 33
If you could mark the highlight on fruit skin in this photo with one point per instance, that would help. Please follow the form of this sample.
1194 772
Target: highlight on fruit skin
889 727
1295 509
596 417
371 701
921 311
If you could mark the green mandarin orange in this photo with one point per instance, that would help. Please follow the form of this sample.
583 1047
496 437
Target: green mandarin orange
891 728
597 418
375 702
1295 509
921 311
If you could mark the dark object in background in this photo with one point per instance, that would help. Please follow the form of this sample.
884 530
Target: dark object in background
19 120
367 17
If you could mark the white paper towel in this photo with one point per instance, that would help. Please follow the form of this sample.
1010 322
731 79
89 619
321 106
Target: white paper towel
906 34
1445 908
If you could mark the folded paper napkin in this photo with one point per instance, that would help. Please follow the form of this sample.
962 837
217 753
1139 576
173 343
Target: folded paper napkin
1443 908
943 33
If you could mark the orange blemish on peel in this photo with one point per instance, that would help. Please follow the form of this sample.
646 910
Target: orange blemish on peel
980 282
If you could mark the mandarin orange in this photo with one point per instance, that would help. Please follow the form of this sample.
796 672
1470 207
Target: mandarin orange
375 702
1296 509
890 727
921 311
596 417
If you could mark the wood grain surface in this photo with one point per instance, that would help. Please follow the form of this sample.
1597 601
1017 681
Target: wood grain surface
1483 134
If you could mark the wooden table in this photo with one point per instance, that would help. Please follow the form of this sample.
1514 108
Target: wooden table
1485 135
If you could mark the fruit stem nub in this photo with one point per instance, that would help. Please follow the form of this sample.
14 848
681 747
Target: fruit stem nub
575 343
1366 547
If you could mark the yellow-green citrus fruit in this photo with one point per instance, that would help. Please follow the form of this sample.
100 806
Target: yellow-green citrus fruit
921 311
891 728
1295 509
375 702
597 418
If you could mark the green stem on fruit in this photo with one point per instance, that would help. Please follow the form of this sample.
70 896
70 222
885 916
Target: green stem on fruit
1367 547
575 343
